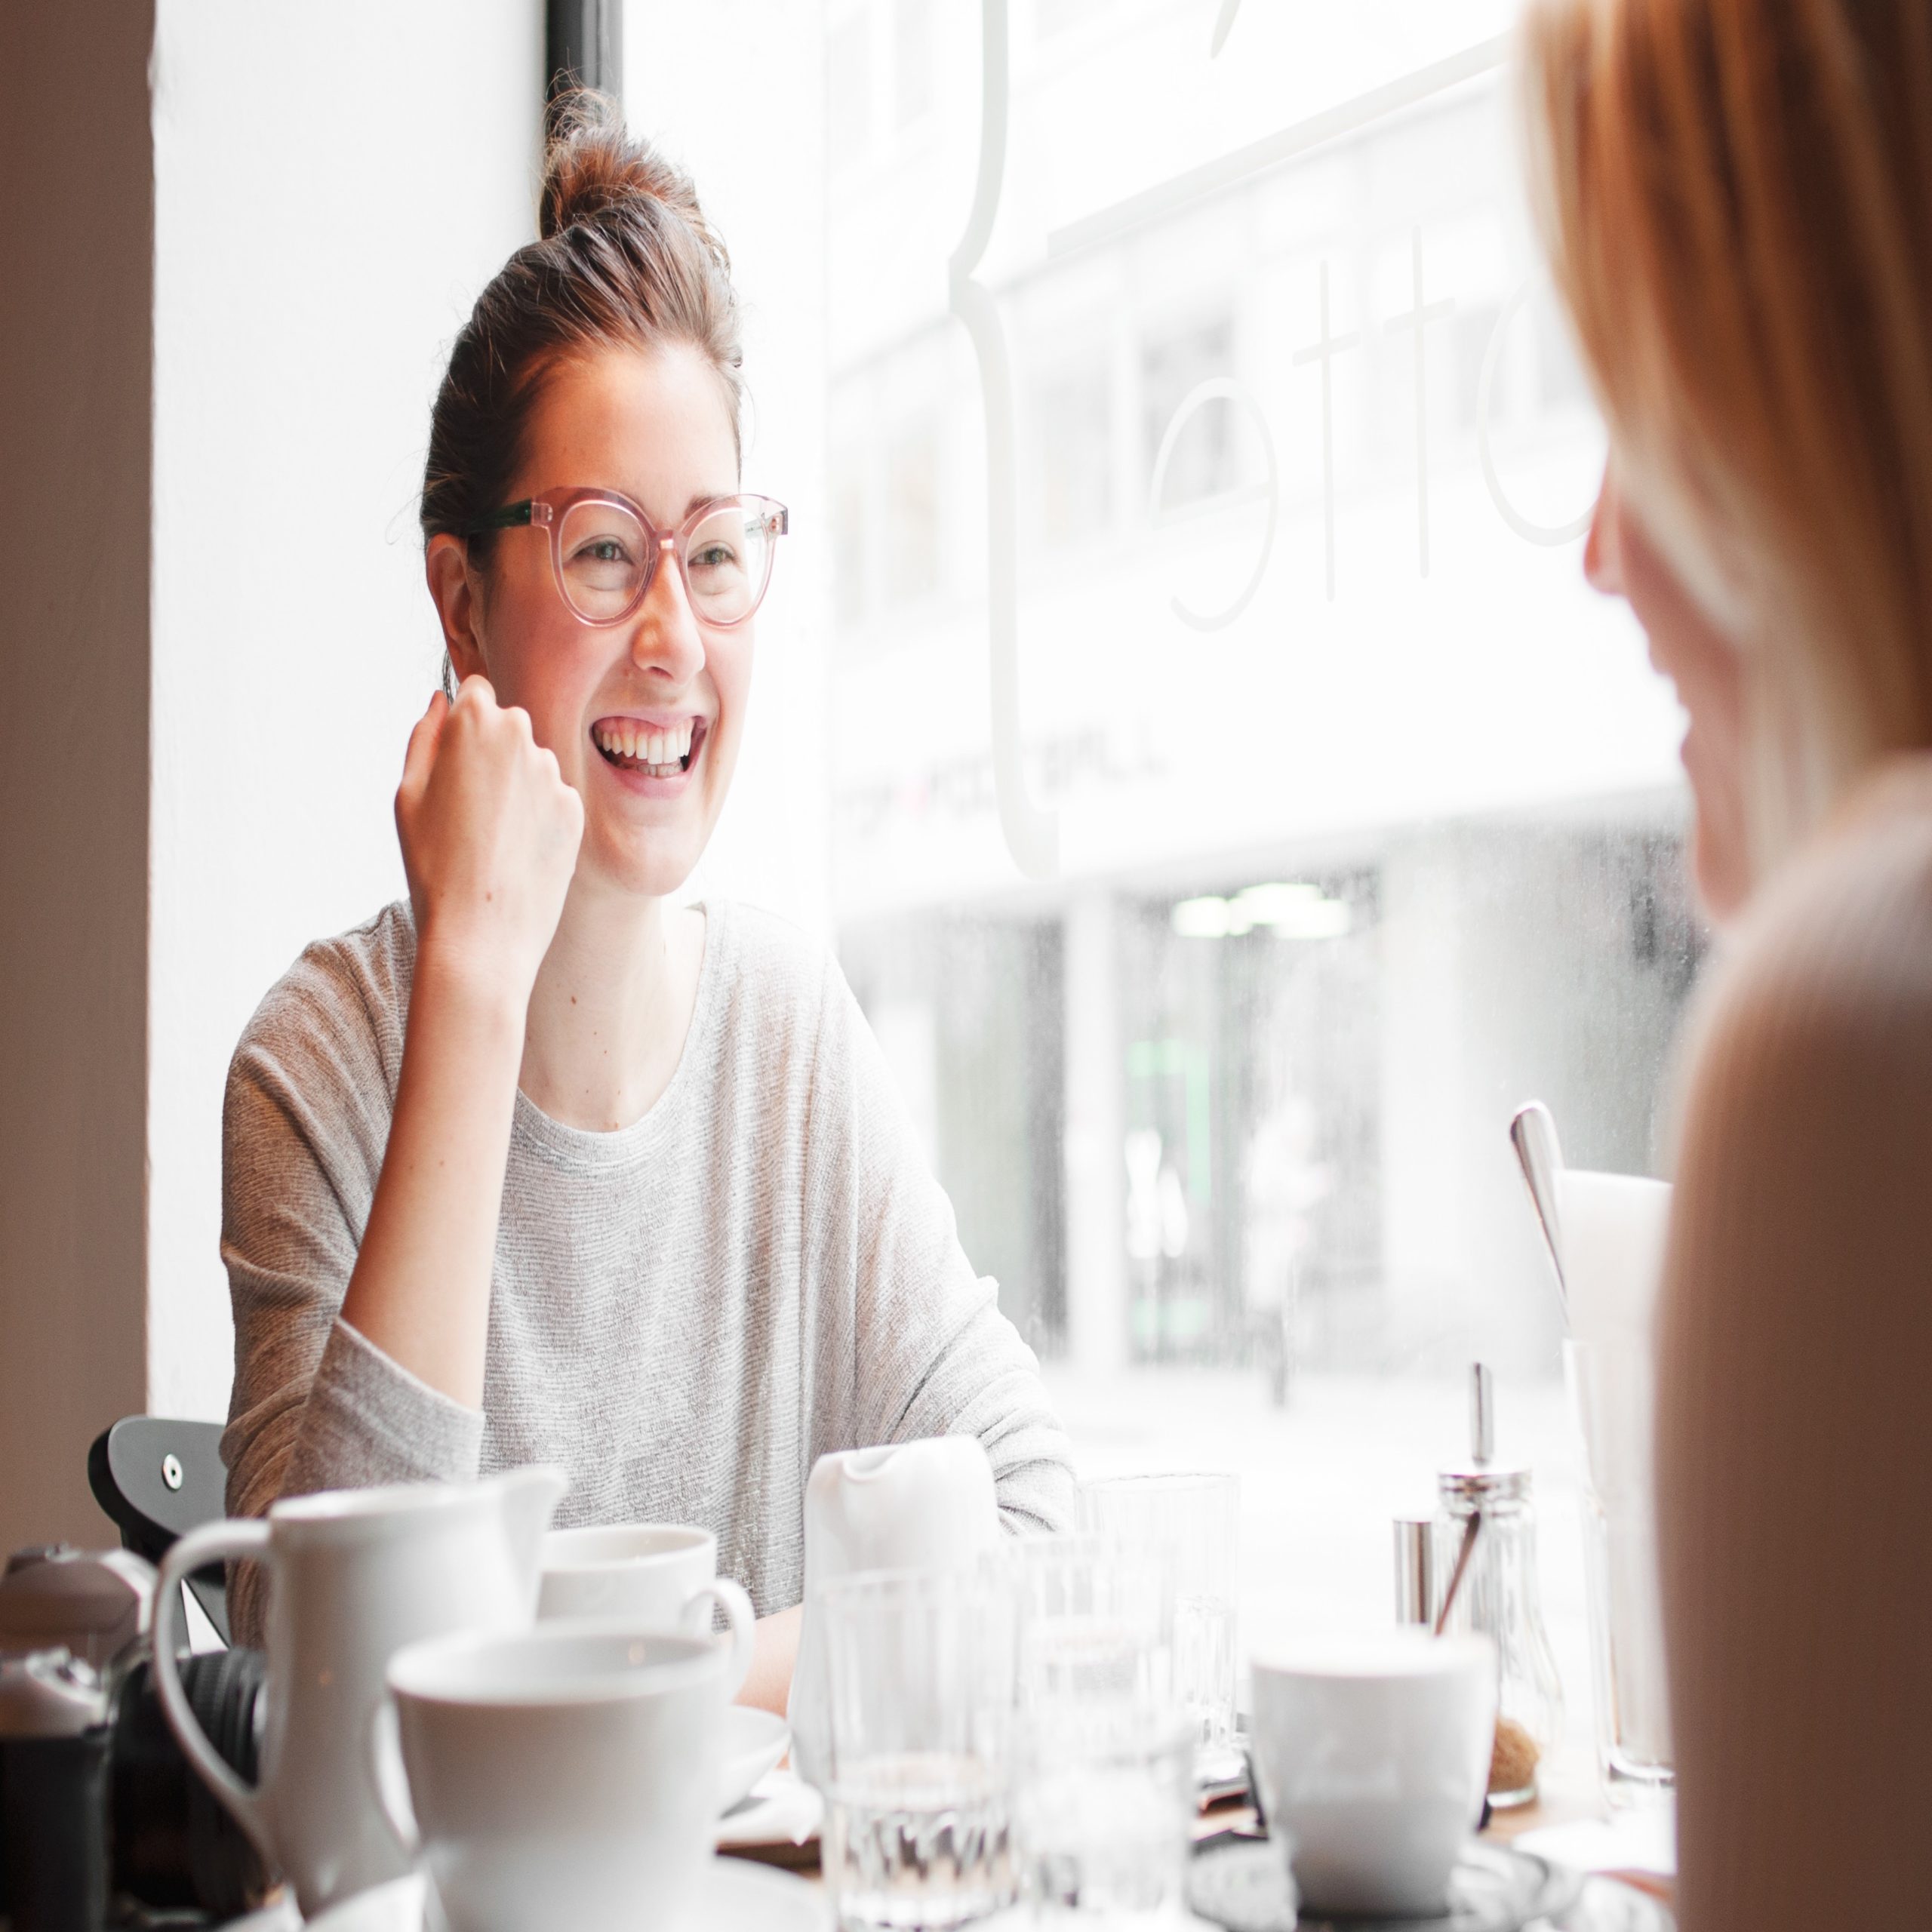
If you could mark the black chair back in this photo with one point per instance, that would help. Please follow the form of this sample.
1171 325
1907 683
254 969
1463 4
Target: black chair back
157 1478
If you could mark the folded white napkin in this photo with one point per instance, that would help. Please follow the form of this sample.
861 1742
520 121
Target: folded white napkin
782 1809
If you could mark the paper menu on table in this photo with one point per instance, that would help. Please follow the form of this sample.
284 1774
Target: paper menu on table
1613 1229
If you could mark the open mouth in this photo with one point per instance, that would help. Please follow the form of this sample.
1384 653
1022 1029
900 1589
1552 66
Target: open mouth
653 751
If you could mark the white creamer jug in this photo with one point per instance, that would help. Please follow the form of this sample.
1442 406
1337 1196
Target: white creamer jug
354 1574
927 1504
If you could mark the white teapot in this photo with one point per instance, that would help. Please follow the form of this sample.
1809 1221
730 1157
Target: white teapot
357 1574
927 1504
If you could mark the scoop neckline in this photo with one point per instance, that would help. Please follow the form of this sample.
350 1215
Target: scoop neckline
585 1147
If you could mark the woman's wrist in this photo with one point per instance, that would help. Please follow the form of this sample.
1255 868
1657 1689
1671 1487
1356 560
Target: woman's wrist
420 1288
469 992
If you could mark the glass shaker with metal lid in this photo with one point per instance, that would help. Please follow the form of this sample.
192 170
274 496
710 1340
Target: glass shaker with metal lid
1486 1527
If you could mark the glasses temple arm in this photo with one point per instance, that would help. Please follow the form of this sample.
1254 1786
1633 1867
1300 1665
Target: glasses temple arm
511 518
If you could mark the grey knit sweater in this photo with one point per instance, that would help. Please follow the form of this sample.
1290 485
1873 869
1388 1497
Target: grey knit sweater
685 1314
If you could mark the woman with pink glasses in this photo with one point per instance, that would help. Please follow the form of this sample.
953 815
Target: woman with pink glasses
537 1166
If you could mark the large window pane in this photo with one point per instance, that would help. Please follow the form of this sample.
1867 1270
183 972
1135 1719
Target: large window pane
1366 814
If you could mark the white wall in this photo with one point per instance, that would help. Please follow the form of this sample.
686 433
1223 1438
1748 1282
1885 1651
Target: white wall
333 186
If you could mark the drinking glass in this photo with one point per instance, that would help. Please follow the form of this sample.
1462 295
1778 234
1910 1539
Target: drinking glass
1184 1524
920 1677
1613 1389
1094 1620
1103 1796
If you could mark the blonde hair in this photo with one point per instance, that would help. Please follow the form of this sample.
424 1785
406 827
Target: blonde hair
1736 196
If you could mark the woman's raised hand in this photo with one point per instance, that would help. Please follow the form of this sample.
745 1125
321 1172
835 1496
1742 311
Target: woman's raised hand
489 834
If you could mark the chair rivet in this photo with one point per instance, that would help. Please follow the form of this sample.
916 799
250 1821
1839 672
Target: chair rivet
170 1472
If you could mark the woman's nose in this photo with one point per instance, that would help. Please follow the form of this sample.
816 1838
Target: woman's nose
1603 568
667 639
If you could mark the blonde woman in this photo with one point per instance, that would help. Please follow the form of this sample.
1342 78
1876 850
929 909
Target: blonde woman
1736 198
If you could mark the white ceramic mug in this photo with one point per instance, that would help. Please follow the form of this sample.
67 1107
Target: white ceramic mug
567 1775
1373 1758
659 1577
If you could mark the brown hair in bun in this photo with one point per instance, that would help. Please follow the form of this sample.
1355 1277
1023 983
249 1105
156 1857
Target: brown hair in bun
624 258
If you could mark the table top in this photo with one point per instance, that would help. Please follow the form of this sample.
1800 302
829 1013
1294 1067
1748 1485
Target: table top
1569 1792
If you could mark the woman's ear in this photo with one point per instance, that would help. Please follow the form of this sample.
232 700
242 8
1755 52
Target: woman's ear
453 588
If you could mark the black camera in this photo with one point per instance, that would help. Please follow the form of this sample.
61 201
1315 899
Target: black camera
103 1821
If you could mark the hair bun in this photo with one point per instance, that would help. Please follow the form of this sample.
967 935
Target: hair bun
592 165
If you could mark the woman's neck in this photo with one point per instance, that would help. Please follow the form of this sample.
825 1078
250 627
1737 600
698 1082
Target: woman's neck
611 1007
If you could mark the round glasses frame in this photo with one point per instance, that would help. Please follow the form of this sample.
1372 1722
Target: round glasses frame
549 511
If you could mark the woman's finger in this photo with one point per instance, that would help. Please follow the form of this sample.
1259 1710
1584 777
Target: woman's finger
475 691
423 738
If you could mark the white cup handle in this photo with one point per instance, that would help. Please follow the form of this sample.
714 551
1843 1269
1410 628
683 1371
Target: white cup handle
390 1777
245 1536
743 1620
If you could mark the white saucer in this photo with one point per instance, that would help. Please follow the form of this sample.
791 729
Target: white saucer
754 1743
735 1895
741 1897
1494 1888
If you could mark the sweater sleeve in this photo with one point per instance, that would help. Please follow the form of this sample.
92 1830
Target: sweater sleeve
934 1355
304 1126
1794 1476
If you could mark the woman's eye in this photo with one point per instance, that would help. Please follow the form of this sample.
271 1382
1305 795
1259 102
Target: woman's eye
715 557
605 550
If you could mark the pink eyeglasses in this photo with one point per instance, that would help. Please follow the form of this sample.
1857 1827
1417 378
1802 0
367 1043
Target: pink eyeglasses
605 551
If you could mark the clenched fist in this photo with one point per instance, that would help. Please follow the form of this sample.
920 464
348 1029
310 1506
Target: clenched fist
489 834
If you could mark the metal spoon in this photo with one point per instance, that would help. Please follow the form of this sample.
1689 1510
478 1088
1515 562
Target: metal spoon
1482 1447
1532 1134
1471 1530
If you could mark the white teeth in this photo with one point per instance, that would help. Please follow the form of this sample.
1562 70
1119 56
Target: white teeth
657 748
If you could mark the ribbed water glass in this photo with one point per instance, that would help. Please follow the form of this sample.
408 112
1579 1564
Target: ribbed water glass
1104 1761
1184 1524
920 1681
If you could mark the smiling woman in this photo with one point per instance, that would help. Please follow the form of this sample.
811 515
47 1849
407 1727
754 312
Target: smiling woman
536 1166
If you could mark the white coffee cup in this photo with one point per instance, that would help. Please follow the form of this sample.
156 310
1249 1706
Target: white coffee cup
566 1776
1373 1757
651 1576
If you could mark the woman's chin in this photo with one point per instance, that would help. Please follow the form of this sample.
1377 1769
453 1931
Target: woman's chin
640 869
